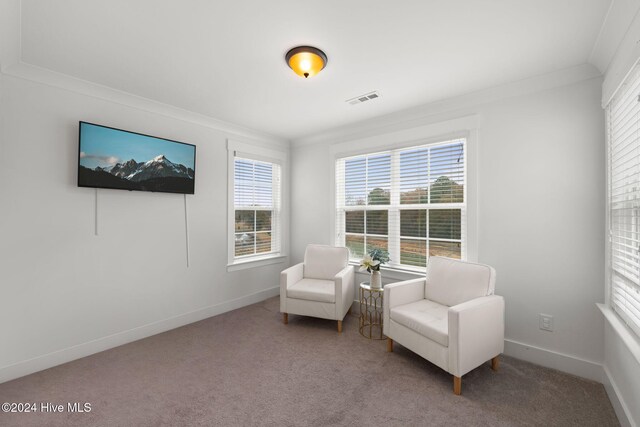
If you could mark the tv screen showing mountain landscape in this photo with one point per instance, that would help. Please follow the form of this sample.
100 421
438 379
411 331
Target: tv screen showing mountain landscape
113 158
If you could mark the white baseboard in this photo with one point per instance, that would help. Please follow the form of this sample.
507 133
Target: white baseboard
555 360
59 357
619 405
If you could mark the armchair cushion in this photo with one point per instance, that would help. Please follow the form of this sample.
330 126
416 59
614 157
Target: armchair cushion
451 282
324 262
428 318
313 290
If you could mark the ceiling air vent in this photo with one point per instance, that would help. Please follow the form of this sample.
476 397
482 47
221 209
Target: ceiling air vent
363 98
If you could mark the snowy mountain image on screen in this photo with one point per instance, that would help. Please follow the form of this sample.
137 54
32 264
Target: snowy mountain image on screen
158 167
157 174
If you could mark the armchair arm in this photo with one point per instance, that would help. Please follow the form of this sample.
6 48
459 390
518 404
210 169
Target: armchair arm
476 333
344 290
401 293
288 277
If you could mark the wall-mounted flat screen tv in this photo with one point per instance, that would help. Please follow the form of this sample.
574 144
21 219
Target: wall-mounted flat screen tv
118 159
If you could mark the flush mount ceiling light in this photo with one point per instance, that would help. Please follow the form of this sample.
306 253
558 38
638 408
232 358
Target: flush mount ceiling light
306 61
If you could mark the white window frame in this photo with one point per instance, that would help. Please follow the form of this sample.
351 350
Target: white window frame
464 127
629 331
238 149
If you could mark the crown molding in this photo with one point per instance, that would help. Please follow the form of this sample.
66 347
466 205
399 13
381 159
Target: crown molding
51 78
615 28
441 110
625 58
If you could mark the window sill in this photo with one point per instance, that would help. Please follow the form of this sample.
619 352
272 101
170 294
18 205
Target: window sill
393 273
256 262
626 335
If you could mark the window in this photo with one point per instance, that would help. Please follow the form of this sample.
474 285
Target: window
409 201
255 198
255 214
623 129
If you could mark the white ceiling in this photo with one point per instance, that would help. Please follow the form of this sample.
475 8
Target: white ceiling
225 59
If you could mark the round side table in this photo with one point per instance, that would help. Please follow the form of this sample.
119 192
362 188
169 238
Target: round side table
371 311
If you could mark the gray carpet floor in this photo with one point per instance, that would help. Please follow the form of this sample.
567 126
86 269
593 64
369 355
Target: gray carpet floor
247 368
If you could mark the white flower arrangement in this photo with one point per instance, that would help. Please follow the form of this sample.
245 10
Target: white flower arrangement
374 259
369 264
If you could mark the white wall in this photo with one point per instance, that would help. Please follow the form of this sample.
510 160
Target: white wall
9 32
66 292
541 206
541 210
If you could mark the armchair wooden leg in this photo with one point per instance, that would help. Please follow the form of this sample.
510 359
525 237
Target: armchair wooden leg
457 385
339 326
285 318
495 362
389 345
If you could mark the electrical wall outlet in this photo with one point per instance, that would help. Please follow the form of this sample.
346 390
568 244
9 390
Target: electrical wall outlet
546 322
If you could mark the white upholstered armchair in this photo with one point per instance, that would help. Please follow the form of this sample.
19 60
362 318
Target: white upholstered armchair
322 286
451 317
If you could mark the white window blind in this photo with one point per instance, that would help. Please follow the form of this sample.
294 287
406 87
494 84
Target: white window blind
623 123
256 196
409 201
